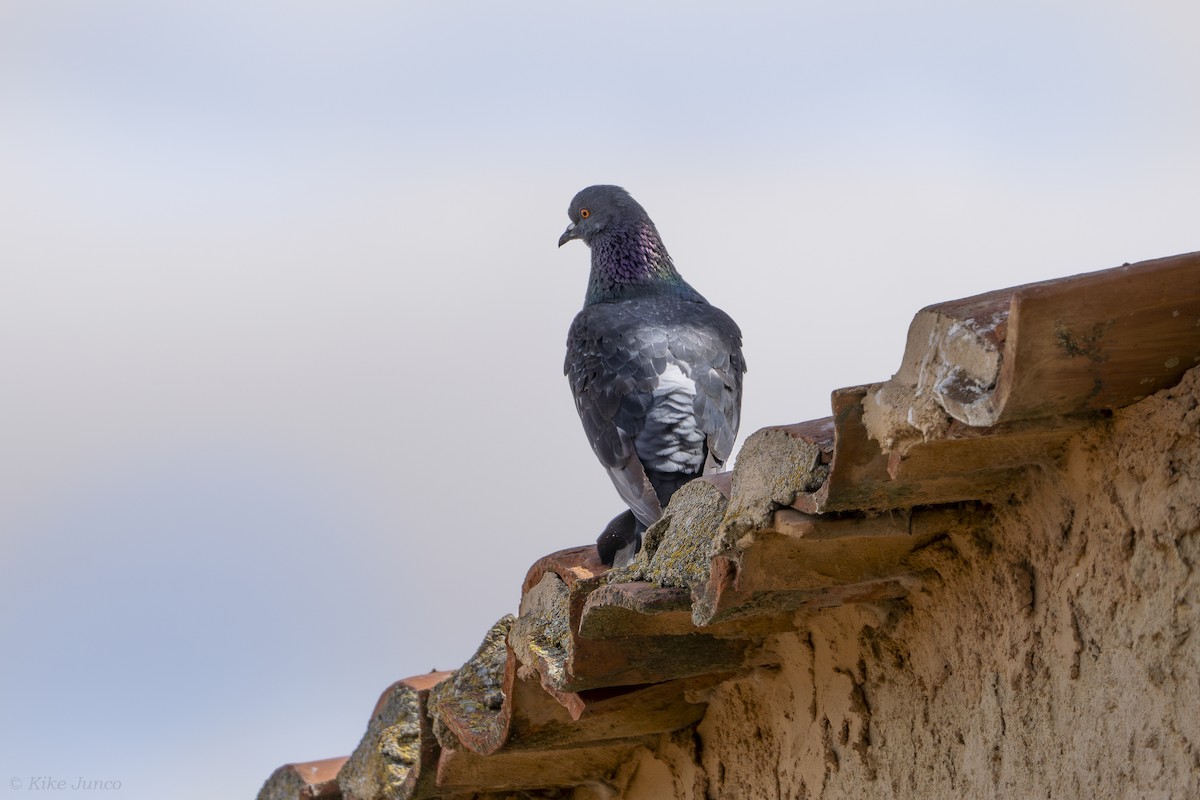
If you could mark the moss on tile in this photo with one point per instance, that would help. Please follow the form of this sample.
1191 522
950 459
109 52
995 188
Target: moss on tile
389 751
474 697
541 635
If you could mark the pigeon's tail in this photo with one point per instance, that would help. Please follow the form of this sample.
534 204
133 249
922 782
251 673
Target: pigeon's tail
621 540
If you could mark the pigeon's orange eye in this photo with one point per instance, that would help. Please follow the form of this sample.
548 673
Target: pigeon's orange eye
584 213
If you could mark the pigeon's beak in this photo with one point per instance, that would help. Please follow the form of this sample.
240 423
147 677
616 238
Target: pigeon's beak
568 235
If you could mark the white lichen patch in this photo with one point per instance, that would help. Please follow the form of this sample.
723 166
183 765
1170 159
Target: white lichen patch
949 371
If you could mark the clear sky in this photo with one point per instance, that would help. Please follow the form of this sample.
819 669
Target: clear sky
282 315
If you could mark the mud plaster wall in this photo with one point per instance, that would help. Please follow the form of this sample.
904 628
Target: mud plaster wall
1056 655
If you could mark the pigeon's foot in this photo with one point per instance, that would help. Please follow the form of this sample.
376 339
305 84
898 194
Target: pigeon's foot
620 540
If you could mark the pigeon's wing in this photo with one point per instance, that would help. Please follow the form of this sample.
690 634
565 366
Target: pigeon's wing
712 345
696 405
610 365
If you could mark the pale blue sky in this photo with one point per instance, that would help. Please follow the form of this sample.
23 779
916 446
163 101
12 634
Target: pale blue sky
282 315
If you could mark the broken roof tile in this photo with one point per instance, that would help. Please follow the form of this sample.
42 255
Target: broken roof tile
1100 340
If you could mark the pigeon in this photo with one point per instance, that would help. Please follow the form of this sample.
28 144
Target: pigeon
656 370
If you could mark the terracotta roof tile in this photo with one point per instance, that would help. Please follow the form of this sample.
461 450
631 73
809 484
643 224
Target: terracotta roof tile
474 708
465 772
303 781
545 638
1100 340
397 755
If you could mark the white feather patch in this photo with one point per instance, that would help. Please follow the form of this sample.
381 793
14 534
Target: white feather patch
672 380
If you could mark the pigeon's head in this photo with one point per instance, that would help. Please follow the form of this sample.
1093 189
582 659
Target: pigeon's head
597 209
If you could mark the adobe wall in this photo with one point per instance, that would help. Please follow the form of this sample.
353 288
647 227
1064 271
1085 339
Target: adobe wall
1057 656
